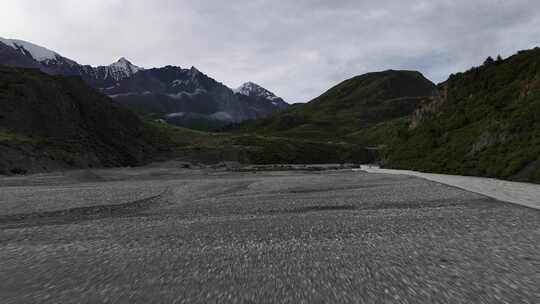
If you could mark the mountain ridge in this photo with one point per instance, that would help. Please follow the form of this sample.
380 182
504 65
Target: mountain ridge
111 79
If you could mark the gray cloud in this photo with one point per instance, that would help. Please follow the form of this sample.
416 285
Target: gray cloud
297 49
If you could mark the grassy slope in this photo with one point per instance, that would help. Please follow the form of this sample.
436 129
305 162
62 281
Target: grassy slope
488 125
202 146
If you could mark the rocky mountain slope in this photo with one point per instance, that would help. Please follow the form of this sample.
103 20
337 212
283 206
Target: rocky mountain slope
184 97
188 97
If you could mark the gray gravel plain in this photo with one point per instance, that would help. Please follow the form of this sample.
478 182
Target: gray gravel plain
161 235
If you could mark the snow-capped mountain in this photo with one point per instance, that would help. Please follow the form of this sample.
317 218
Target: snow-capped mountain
169 93
29 49
22 53
255 91
14 52
177 94
119 70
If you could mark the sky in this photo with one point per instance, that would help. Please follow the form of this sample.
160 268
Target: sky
297 49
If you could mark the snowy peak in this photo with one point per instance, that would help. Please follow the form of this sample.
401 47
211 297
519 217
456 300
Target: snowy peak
254 90
121 69
126 65
53 63
37 52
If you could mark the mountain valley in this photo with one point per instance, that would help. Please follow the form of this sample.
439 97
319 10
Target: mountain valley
481 122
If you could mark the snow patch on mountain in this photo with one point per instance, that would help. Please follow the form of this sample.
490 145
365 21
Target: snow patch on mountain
129 94
39 53
183 94
179 82
176 114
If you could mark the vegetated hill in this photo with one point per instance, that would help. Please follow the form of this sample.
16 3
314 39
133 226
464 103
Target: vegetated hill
485 122
185 97
352 105
49 122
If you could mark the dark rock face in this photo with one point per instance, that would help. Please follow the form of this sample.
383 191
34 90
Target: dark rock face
168 93
429 107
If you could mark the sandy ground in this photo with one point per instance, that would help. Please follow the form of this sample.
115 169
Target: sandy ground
162 235
524 194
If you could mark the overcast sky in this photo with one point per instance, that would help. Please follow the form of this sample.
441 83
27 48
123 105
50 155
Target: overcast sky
297 49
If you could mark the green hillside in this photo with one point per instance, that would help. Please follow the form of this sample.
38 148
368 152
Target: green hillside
205 147
486 122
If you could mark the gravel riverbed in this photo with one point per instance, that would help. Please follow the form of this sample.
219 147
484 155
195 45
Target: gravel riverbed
203 236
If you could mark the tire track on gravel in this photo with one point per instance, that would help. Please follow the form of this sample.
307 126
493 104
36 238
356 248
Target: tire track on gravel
73 215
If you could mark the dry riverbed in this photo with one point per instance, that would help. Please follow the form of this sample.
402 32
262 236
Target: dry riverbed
182 236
